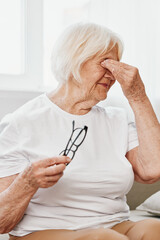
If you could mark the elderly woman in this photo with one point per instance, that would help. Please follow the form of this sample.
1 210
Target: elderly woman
67 164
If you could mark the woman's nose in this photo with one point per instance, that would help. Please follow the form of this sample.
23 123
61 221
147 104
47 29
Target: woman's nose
107 75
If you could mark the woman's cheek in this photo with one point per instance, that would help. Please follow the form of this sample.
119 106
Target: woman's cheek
101 71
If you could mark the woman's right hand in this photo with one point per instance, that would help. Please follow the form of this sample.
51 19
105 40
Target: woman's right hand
45 173
17 190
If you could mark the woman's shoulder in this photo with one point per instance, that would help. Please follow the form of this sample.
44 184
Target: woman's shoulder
25 111
111 111
115 117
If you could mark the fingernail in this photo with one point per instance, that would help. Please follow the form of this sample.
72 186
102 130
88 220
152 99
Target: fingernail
103 63
68 159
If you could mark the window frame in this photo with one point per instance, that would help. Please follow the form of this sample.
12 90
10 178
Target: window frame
32 77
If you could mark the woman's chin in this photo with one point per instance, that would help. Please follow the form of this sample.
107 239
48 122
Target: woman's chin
102 96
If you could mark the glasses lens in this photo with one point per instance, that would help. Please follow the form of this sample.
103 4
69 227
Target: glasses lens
78 136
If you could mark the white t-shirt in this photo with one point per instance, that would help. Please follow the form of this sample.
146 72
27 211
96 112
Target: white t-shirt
92 191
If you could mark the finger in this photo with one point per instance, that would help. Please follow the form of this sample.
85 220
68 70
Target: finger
111 62
54 170
54 178
62 159
116 68
111 66
55 160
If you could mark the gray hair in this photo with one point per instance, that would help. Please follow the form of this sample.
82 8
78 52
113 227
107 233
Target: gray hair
79 43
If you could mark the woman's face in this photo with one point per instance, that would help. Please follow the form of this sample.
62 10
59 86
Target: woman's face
96 80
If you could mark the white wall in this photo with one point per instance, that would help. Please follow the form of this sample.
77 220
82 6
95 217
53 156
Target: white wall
11 100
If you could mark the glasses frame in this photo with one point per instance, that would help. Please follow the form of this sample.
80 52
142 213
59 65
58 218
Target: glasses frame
66 150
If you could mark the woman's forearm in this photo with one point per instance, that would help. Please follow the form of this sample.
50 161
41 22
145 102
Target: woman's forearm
148 129
14 201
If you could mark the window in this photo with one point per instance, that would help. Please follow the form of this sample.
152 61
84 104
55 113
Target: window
30 28
12 37
56 17
21 23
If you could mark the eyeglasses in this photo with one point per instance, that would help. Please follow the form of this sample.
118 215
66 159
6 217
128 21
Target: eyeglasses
76 139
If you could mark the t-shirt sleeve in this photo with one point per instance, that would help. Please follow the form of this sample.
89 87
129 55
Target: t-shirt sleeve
12 159
132 136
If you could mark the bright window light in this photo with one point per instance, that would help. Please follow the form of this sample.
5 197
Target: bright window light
11 39
58 15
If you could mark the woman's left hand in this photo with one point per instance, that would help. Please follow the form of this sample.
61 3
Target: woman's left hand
128 77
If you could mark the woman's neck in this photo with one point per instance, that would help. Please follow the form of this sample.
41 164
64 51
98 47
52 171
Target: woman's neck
71 99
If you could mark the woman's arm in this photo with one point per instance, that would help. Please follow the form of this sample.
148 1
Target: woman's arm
131 156
16 191
14 199
146 159
148 129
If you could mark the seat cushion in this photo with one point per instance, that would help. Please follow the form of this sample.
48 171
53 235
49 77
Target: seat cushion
137 215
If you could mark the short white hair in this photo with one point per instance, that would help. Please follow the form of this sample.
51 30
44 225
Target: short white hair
79 43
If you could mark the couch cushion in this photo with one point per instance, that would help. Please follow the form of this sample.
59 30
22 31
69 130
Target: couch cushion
4 237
